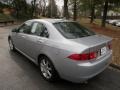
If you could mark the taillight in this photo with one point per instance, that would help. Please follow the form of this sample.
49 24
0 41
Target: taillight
75 56
109 45
82 57
92 55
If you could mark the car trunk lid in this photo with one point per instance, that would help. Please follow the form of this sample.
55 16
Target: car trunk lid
95 43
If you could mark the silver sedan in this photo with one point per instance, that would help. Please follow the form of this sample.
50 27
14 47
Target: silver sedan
62 48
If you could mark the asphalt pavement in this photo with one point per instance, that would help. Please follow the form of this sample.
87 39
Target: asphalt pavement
18 73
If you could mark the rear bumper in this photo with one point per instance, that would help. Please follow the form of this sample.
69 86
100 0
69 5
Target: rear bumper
78 72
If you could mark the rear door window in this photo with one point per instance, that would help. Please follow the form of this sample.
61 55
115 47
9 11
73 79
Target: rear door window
39 30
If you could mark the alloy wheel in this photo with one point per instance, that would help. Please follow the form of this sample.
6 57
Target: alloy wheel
11 45
46 68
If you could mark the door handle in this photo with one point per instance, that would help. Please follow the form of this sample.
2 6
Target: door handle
23 36
40 41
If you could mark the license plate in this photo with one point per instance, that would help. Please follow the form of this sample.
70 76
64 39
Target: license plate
103 50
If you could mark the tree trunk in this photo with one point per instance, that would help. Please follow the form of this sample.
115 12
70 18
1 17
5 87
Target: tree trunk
66 14
75 11
52 9
25 7
104 13
92 12
33 2
44 8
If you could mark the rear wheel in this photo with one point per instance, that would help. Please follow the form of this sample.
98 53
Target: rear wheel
47 69
12 48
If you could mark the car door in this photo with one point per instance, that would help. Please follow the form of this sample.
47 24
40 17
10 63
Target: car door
20 36
35 41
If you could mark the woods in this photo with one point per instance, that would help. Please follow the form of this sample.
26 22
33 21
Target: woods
75 9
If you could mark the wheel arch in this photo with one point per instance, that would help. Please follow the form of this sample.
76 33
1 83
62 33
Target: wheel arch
38 61
41 55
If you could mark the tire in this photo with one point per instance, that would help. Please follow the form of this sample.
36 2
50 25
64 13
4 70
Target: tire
11 45
47 69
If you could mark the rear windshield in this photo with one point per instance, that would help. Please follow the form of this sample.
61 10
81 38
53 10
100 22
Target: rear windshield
72 30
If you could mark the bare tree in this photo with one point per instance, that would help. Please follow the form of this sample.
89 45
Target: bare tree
33 3
105 13
66 13
92 11
75 10
42 7
52 9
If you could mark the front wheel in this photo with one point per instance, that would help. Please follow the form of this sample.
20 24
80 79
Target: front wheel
47 69
12 48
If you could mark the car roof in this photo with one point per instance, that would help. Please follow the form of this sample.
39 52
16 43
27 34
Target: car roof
51 20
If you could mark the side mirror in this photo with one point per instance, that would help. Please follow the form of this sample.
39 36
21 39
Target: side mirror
15 30
46 34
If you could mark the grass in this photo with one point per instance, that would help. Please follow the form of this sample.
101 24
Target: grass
111 31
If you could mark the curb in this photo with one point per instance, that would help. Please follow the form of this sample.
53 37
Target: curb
115 66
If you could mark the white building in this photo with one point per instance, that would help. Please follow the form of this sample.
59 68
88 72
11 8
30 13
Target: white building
113 13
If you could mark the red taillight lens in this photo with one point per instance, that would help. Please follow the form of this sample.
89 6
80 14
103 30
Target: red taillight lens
84 56
81 57
75 57
109 45
92 55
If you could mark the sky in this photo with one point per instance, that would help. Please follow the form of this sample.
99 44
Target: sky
59 3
